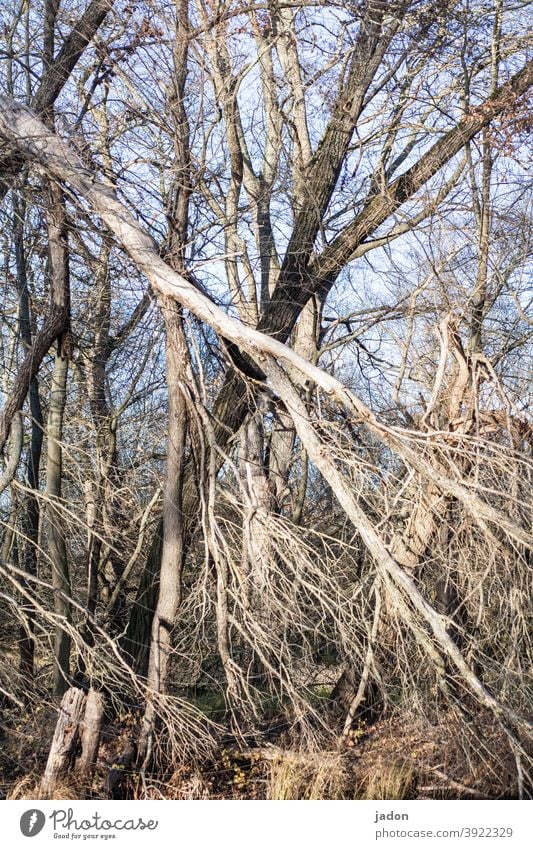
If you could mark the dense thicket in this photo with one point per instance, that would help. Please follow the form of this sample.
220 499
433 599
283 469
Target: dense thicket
265 350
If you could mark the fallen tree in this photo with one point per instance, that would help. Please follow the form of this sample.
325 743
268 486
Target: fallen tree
21 129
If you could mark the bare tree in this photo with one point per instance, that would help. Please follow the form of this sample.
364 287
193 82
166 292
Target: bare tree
293 472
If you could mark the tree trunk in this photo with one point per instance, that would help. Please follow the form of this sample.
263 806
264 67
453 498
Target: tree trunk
55 525
136 642
173 549
59 283
74 747
90 734
256 555
65 741
31 517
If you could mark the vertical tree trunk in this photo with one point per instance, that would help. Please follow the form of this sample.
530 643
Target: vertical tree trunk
31 521
256 554
281 456
103 513
483 205
173 549
173 531
59 283
31 516
55 523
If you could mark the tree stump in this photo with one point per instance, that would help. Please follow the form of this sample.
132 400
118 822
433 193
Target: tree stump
90 734
78 726
66 737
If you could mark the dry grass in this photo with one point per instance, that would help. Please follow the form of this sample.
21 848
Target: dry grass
405 757
388 781
296 777
29 788
25 788
184 784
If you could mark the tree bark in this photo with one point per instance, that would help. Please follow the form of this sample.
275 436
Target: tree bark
90 735
65 741
59 283
57 72
173 549
74 747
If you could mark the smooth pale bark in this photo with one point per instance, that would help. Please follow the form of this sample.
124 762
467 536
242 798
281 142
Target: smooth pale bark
287 49
57 70
283 433
173 549
256 559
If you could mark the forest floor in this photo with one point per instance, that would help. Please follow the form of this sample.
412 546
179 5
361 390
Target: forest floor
400 757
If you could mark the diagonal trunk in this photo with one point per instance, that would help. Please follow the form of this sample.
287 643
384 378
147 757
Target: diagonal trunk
268 353
57 70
